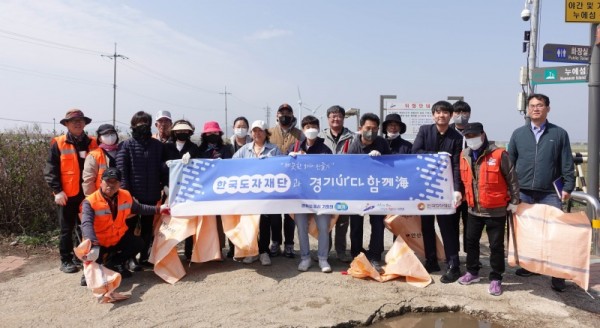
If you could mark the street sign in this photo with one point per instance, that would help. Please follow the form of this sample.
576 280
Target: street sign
566 53
560 74
577 11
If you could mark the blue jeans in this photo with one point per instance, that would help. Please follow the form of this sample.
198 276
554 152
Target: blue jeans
540 197
323 221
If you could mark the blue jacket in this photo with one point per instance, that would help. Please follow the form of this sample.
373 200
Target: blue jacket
539 164
142 168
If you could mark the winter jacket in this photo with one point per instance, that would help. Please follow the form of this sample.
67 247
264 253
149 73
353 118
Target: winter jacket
400 146
539 164
283 141
96 162
341 145
142 169
318 147
379 144
247 151
234 144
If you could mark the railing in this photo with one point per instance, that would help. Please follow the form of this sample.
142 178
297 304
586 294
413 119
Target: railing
595 217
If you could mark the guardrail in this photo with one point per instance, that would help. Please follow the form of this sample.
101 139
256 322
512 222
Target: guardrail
595 217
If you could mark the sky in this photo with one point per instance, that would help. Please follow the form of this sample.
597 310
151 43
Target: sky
181 55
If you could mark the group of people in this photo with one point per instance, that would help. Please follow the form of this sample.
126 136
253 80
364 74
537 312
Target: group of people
119 187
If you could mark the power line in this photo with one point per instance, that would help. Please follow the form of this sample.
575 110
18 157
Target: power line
24 121
50 75
159 100
45 43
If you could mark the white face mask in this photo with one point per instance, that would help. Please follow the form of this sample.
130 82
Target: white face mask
240 132
311 133
394 135
474 143
109 139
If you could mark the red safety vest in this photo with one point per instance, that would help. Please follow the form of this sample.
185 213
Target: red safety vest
109 231
70 172
491 185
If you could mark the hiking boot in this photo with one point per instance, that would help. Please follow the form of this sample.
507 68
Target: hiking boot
82 281
68 267
377 266
77 261
342 257
324 265
432 266
250 259
468 279
495 288
451 275
525 273
275 249
289 251
304 265
230 252
265 259
133 265
558 284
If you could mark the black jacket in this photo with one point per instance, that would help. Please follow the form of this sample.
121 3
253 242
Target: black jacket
400 146
142 169
318 148
379 144
427 141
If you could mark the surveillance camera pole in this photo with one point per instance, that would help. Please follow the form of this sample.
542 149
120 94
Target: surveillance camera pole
593 115
533 43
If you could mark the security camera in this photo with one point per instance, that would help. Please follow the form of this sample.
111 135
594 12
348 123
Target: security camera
525 14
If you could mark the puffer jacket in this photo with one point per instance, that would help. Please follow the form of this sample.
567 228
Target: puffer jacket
142 169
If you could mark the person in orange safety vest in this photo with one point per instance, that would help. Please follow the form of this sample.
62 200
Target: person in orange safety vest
491 189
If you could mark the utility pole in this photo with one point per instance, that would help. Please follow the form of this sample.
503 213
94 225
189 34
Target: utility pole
54 126
268 110
225 94
593 115
114 57
533 44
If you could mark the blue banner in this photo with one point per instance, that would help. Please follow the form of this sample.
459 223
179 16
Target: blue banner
336 184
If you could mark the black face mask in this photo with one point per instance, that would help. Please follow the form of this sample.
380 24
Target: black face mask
141 132
182 136
285 120
212 138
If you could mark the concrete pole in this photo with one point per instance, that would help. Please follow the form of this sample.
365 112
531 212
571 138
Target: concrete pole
593 115
533 43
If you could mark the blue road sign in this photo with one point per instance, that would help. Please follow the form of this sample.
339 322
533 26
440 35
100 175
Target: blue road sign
566 53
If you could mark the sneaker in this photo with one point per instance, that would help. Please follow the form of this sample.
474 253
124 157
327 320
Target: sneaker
68 267
495 288
250 259
304 265
289 251
451 275
82 281
265 259
468 279
432 266
324 265
342 257
275 250
133 265
525 273
77 261
558 284
377 266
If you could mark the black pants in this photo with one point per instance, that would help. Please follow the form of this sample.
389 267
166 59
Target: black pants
126 248
341 230
376 240
147 233
267 223
68 219
494 227
463 212
289 229
449 229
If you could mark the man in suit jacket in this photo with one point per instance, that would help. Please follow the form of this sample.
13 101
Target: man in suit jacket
435 138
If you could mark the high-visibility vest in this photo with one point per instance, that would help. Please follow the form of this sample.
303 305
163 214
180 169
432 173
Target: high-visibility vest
70 172
100 158
109 231
492 188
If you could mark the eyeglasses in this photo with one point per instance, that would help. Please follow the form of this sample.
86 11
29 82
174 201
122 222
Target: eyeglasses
334 116
537 106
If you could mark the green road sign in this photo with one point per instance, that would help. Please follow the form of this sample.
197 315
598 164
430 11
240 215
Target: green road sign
560 74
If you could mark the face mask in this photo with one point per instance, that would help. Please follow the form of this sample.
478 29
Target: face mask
368 135
393 135
240 132
141 131
311 133
285 120
212 138
460 120
182 136
474 143
108 139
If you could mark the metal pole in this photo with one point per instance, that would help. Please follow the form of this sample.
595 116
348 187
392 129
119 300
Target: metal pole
593 115
381 99
115 88
591 201
533 43
226 124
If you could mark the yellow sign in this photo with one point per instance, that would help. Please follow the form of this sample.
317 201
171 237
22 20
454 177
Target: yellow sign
578 11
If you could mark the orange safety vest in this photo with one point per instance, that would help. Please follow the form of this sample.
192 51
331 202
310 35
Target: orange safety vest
109 231
100 158
491 185
70 172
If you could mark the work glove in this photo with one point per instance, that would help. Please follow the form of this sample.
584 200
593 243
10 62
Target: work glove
512 207
293 154
185 159
166 190
262 156
61 198
164 209
374 153
456 198
92 255
444 153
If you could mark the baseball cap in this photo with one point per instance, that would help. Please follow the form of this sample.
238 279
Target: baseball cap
473 128
259 124
162 114
111 173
